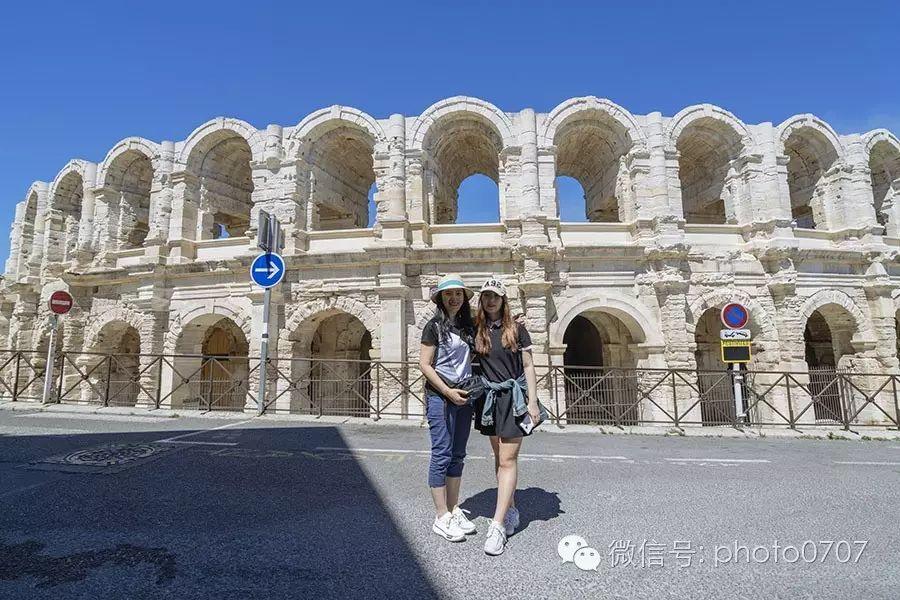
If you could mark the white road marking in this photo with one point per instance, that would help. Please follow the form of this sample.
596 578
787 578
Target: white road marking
724 460
574 456
391 450
193 433
399 451
24 489
867 462
198 443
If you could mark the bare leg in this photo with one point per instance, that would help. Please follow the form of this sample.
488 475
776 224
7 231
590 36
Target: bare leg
495 446
507 474
439 495
453 492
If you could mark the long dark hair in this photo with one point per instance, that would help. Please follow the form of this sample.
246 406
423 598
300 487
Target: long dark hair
509 338
463 322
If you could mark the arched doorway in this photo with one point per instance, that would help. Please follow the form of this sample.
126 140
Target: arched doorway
708 152
213 359
827 344
340 381
715 381
599 368
116 376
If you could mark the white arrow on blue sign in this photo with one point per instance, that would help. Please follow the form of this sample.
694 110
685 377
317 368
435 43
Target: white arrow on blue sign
267 270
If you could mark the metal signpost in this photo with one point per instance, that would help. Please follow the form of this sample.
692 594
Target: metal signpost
736 347
60 303
266 271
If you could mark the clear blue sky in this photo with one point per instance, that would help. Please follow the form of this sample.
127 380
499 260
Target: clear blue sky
77 77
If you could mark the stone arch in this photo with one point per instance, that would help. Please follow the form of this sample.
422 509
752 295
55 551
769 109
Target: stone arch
883 160
220 155
570 109
643 327
339 146
329 118
697 112
762 323
460 138
116 314
65 207
127 147
592 138
221 128
461 105
219 308
126 178
813 150
840 299
301 325
710 142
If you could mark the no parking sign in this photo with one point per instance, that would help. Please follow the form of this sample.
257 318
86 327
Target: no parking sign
735 316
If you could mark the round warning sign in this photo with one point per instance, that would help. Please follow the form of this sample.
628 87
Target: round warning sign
61 302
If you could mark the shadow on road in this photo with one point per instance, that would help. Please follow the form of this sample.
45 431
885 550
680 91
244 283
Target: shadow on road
534 504
259 516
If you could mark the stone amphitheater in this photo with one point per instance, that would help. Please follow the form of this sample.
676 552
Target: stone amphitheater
683 214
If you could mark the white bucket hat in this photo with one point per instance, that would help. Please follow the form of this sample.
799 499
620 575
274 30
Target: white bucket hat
451 281
494 285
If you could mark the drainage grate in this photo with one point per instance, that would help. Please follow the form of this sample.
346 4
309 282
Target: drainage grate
108 458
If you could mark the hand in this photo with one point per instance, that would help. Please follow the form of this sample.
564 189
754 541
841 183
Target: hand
457 397
535 413
519 318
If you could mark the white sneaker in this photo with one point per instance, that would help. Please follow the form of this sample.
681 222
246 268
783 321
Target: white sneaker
467 526
496 539
447 528
511 520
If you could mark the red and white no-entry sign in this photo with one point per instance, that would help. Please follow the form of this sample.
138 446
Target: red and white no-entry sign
61 302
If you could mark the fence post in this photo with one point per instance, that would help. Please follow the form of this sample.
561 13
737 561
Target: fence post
19 360
159 381
378 390
108 378
787 384
674 398
896 407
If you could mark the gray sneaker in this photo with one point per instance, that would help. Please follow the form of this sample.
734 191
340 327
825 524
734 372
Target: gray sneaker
511 520
496 539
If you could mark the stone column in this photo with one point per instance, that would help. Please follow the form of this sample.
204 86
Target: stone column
390 198
37 248
416 203
392 395
161 194
183 221
84 248
857 197
529 198
275 314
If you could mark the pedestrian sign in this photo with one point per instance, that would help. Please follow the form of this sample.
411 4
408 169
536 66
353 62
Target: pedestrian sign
267 270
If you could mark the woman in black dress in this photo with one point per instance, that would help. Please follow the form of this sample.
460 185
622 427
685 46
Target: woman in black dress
503 349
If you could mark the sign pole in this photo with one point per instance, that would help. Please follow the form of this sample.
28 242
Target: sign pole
263 353
48 371
738 391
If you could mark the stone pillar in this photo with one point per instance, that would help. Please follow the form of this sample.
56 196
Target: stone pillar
161 194
37 248
183 222
655 390
14 262
275 314
416 204
390 197
392 395
84 248
857 198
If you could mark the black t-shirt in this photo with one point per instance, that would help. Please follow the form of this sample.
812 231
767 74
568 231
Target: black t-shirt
502 363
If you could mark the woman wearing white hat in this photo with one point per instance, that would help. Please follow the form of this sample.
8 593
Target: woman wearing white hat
445 358
503 348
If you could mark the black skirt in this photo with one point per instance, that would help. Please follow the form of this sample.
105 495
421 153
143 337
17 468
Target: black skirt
506 424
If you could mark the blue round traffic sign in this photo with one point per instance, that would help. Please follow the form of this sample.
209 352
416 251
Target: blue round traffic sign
267 270
735 316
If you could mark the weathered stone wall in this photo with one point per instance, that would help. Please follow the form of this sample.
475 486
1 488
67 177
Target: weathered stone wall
685 213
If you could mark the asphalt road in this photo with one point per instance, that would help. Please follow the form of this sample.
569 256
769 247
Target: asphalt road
268 508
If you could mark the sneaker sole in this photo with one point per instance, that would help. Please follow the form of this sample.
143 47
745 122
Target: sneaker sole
447 536
494 553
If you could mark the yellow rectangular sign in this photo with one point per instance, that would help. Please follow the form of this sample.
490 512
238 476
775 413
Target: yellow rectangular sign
736 351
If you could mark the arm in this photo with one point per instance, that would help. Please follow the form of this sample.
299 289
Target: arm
426 356
531 379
